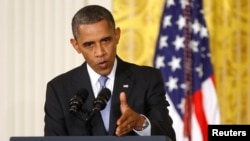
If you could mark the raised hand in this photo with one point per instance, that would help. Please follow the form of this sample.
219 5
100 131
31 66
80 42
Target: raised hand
129 119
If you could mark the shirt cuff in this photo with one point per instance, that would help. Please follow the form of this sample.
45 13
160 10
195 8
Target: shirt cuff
146 131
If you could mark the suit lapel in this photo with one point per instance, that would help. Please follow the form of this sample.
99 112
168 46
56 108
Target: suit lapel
124 81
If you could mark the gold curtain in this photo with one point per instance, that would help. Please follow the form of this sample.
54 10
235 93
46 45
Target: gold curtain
139 23
228 22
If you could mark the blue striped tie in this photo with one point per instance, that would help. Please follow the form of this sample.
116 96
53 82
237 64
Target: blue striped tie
102 80
106 111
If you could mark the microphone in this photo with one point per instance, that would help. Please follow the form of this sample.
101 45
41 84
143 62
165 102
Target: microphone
100 102
77 101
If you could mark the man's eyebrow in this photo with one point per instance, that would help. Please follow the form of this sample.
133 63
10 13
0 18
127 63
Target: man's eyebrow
106 38
87 43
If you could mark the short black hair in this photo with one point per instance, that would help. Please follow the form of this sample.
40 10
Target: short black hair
91 14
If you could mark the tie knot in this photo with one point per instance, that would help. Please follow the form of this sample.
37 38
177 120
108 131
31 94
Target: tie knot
102 80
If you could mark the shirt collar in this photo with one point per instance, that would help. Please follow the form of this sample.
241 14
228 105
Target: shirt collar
95 76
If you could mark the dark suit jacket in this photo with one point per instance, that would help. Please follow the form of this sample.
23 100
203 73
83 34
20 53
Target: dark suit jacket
145 95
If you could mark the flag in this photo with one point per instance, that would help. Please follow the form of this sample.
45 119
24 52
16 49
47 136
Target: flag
183 56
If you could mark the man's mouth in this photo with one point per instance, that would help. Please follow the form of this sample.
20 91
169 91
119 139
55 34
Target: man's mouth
102 64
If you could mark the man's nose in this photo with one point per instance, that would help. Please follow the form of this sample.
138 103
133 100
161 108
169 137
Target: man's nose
99 50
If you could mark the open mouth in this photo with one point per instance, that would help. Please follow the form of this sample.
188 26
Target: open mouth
103 64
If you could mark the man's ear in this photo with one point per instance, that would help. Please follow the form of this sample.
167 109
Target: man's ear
117 34
75 45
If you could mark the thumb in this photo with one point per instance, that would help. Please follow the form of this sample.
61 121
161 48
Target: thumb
123 102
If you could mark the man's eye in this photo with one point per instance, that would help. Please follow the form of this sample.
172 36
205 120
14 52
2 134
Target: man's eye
88 44
106 40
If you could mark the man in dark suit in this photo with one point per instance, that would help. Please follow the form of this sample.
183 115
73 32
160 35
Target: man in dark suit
137 105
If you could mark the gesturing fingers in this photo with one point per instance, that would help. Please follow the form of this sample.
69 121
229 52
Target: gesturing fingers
128 119
124 129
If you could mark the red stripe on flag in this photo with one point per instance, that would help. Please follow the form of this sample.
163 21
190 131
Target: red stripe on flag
200 114
213 80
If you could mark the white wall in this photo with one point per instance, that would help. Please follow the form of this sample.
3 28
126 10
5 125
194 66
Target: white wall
35 47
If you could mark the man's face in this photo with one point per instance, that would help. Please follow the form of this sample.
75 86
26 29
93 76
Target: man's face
97 43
